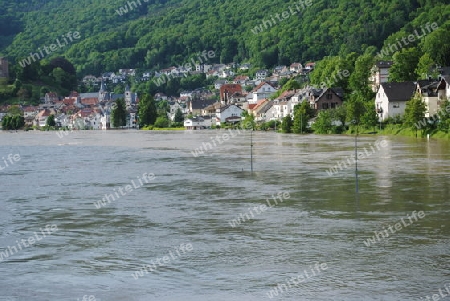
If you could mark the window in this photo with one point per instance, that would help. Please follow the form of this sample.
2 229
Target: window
325 106
329 96
333 105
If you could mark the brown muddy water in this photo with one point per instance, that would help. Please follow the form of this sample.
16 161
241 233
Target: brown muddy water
172 213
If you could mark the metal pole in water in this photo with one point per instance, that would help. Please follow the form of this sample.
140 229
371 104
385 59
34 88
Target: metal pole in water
251 150
356 161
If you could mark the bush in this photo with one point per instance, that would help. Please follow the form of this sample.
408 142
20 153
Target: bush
161 122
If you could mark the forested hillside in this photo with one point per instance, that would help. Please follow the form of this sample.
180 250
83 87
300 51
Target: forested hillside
158 33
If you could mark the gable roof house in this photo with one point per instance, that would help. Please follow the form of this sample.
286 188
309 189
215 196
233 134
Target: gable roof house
261 74
433 95
263 90
296 67
227 90
228 114
324 99
391 98
197 123
195 107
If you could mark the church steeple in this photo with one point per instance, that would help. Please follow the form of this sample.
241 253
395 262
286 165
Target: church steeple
103 92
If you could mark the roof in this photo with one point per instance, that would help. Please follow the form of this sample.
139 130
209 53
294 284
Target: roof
402 91
202 103
384 64
262 84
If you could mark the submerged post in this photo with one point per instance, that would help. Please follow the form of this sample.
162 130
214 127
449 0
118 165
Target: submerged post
356 160
251 150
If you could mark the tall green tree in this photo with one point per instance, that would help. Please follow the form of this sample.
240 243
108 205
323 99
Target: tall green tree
302 114
415 112
359 79
50 120
147 111
119 113
178 116
286 124
355 108
425 67
405 64
323 123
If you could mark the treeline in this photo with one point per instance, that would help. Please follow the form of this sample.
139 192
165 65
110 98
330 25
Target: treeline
160 33
28 84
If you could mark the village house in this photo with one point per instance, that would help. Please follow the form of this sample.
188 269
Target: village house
228 114
227 90
433 94
261 74
379 74
195 107
324 99
263 90
391 98
197 123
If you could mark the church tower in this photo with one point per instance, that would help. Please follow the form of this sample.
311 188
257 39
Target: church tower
103 93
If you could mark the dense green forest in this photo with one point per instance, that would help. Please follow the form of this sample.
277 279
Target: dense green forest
157 33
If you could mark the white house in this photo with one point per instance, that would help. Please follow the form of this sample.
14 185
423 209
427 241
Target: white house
263 90
261 74
197 123
391 98
433 95
228 113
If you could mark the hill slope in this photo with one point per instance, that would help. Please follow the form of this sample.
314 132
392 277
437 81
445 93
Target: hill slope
156 33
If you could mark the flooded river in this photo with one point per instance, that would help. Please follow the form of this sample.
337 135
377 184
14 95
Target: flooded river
135 215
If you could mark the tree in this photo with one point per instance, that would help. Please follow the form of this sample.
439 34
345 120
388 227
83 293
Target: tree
323 123
405 63
147 111
50 120
369 117
119 113
444 116
162 122
414 112
302 113
178 116
359 79
425 67
249 120
340 114
355 108
286 124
